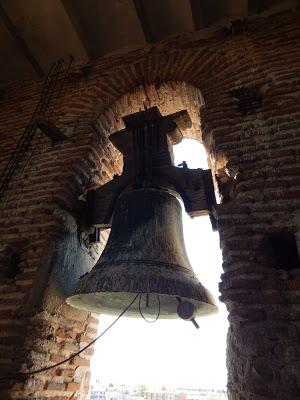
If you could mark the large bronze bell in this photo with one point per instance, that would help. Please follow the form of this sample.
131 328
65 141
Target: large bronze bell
145 254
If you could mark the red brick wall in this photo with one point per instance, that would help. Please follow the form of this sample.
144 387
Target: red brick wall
256 161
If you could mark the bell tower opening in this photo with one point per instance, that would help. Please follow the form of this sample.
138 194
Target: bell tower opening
137 358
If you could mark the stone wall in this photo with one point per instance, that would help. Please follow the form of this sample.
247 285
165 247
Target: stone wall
255 157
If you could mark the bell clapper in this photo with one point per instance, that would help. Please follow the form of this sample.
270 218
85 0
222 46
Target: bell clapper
196 325
186 311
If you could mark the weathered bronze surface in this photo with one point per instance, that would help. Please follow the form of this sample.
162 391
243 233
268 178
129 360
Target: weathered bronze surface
145 253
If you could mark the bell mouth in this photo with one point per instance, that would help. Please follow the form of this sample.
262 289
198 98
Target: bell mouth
113 303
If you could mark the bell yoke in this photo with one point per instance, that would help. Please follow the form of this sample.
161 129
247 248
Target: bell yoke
145 253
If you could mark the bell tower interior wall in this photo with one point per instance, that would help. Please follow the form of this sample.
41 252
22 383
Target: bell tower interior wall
242 93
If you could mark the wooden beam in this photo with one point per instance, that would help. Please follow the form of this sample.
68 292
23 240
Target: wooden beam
141 12
257 6
74 17
236 9
197 14
212 11
20 43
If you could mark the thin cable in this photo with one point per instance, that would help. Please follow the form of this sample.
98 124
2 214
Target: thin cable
54 85
75 354
143 316
25 140
62 83
46 97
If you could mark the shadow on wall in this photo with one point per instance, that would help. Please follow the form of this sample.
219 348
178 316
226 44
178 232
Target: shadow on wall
72 257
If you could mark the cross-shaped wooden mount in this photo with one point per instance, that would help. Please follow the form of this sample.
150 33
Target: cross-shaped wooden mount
146 144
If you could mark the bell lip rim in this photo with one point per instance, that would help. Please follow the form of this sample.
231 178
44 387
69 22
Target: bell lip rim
211 309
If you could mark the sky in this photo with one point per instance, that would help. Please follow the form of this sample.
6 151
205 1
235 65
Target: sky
172 353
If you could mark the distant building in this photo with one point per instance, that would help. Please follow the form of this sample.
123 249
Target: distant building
124 392
162 395
97 395
109 393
